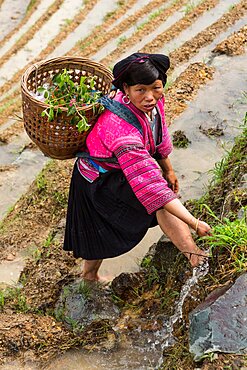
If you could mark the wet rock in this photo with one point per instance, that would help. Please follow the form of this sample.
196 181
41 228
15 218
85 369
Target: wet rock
82 303
163 253
162 256
159 264
219 323
99 337
124 285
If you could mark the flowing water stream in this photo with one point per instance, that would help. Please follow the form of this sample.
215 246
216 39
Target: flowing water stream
167 338
141 350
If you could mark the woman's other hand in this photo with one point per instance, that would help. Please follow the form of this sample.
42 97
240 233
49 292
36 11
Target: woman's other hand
169 174
172 180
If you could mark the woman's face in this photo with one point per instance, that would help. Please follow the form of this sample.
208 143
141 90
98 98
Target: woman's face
145 97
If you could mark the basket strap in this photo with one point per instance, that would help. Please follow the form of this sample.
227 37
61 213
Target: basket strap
121 111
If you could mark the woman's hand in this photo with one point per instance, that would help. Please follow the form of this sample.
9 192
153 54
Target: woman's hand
169 174
172 180
203 229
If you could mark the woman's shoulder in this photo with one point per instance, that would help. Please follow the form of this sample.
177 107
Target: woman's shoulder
114 131
118 116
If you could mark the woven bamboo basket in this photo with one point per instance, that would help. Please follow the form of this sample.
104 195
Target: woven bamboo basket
60 139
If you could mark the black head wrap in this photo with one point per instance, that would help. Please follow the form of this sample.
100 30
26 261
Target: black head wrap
160 61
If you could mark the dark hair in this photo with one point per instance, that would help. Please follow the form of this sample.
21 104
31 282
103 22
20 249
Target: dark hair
144 73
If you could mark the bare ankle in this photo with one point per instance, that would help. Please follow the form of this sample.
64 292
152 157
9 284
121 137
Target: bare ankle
90 276
90 269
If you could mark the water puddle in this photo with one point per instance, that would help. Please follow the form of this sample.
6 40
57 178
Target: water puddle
23 167
10 19
131 356
11 268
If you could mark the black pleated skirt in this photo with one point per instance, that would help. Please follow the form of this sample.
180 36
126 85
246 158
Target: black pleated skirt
104 218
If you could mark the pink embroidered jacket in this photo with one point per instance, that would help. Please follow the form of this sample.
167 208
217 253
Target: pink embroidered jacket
113 136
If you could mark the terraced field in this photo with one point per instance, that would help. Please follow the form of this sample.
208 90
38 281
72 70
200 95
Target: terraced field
193 33
205 93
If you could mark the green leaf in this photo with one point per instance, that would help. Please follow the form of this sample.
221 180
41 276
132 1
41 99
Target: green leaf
40 89
82 125
71 110
82 80
51 114
92 83
71 84
46 94
56 78
74 120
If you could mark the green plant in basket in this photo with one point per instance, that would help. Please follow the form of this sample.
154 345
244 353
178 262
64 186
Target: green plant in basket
63 92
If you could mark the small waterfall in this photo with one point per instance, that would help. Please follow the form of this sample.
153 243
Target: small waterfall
166 333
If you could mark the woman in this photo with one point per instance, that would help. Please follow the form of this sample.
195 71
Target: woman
112 203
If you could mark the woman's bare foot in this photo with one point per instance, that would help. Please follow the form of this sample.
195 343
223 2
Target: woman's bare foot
97 278
197 258
105 279
90 272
